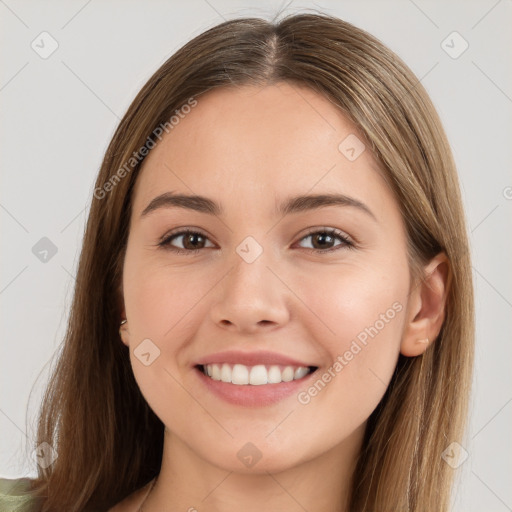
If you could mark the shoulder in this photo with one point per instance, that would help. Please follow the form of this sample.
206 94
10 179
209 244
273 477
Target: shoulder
15 495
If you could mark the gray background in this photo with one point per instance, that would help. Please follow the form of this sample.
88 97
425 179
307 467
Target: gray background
59 113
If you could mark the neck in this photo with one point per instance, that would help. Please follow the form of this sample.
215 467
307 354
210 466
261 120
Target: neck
189 482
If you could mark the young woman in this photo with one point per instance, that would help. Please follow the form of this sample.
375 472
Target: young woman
274 305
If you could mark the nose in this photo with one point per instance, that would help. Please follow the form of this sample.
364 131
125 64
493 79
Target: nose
252 297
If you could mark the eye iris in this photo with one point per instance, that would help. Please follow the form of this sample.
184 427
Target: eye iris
194 241
321 237
188 237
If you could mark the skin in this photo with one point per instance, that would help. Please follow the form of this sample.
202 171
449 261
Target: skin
248 148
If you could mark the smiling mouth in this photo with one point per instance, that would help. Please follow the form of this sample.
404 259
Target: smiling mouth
242 375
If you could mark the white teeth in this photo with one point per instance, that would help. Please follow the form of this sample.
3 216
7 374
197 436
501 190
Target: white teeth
287 374
225 373
240 374
215 371
300 372
258 375
274 375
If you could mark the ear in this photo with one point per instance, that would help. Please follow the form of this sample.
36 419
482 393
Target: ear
124 333
426 307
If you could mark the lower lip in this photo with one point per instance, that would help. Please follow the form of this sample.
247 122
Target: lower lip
254 396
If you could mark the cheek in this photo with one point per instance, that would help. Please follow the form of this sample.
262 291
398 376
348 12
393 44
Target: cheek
359 323
161 305
167 306
356 303
161 302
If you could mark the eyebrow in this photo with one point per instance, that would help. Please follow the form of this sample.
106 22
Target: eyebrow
291 205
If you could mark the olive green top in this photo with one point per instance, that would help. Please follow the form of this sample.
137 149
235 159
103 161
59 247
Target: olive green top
15 496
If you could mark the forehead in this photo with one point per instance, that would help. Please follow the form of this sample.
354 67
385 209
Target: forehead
242 144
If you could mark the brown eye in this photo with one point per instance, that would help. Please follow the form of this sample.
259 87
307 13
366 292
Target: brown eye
323 240
192 241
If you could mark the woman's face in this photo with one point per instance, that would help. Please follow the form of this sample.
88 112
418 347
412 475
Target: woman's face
267 288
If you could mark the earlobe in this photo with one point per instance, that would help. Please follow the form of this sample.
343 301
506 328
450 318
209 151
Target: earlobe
124 333
427 310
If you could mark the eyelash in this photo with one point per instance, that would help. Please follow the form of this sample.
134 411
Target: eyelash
165 243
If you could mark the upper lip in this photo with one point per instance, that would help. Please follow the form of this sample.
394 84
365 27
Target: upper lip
250 359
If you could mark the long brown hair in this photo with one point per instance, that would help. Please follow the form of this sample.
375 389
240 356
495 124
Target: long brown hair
109 442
